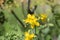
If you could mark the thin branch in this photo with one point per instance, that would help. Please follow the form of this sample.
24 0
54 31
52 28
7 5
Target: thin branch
34 8
28 7
23 9
17 18
29 4
31 11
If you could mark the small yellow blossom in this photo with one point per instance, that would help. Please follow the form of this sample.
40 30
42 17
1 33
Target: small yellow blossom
29 36
43 17
32 20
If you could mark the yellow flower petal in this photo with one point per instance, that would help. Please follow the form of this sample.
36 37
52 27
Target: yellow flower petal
29 36
43 17
32 20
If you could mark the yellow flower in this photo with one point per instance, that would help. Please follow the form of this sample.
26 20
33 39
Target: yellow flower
32 20
43 17
34 24
29 36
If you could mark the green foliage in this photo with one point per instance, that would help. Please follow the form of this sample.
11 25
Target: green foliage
13 30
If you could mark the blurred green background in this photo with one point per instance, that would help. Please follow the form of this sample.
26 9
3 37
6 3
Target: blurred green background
13 30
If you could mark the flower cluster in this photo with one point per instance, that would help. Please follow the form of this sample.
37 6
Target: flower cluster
32 20
43 17
29 36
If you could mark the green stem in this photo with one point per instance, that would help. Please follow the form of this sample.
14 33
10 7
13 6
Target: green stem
17 18
23 9
35 30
